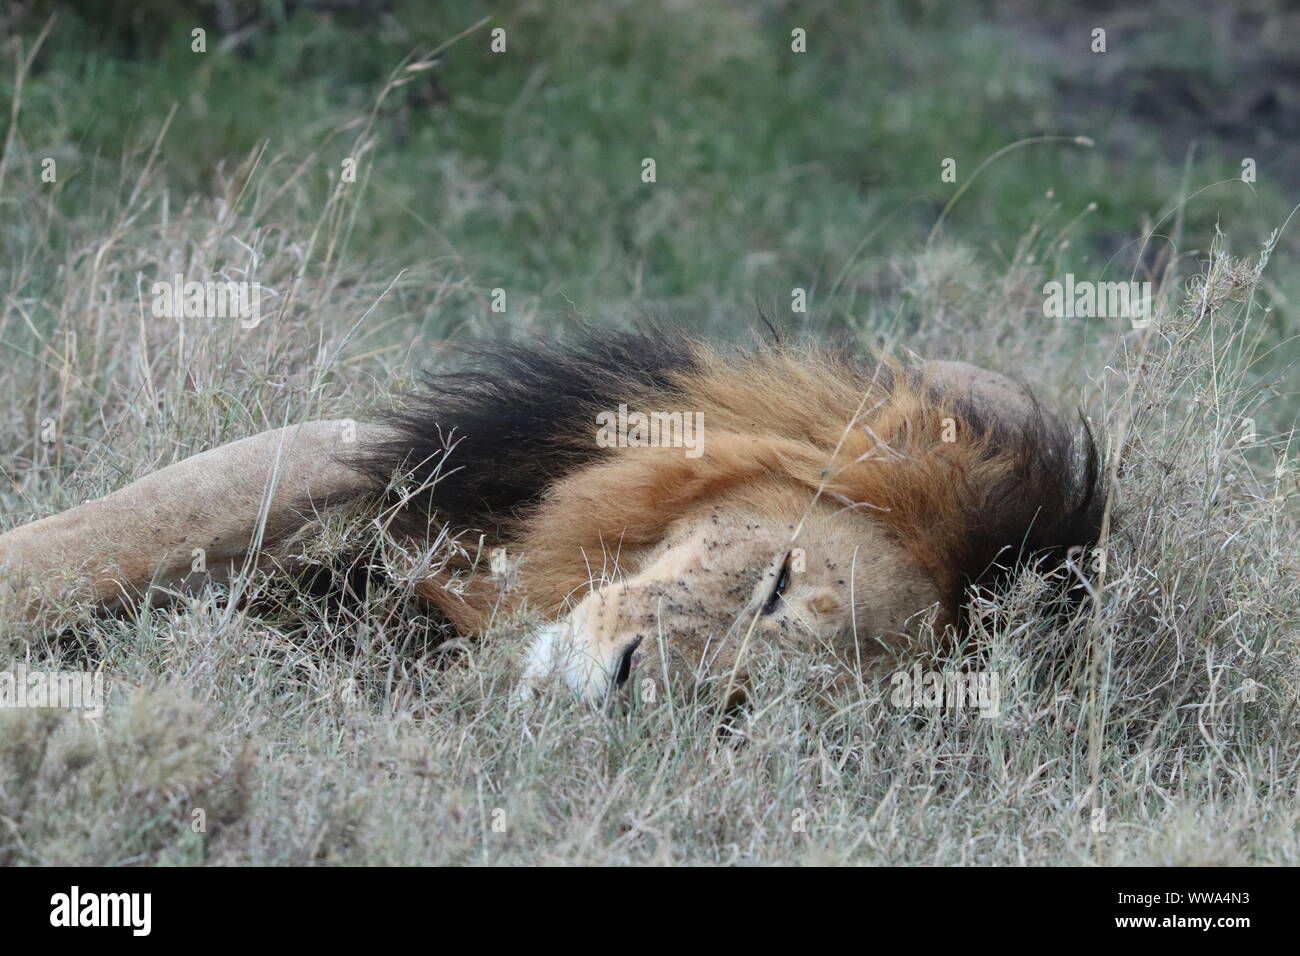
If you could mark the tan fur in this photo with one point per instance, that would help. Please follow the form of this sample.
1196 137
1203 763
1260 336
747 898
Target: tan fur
223 502
796 456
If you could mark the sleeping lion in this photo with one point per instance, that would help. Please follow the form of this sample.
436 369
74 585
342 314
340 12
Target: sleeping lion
670 507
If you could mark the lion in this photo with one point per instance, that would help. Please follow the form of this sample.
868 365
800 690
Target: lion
671 506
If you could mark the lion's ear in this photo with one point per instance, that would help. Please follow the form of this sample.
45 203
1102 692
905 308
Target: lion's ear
996 396
191 521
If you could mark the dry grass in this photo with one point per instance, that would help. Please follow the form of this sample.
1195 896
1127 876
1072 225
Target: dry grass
305 735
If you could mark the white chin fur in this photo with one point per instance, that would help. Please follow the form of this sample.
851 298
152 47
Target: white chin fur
562 648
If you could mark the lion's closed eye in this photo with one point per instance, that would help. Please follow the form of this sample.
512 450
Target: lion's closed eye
778 588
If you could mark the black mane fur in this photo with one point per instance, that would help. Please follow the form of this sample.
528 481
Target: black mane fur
1049 504
515 419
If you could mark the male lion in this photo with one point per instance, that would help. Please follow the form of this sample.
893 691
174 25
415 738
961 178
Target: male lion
824 502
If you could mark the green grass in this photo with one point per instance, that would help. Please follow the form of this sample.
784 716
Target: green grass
306 737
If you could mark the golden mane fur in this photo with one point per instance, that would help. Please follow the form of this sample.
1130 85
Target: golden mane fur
964 488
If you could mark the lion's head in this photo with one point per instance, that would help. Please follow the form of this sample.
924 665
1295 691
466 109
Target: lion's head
824 502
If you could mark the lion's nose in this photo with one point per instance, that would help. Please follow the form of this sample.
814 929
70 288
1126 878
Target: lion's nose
626 661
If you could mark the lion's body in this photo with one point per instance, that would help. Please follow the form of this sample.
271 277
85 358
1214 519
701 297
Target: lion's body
875 494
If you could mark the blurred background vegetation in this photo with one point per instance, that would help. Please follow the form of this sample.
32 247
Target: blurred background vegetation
521 169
